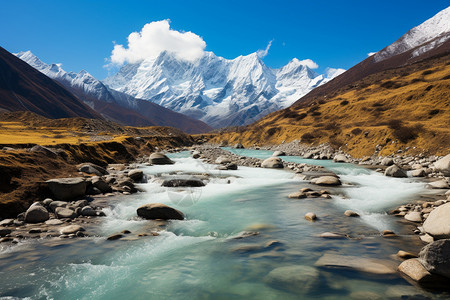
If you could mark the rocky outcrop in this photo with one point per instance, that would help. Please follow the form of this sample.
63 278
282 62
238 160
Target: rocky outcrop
67 189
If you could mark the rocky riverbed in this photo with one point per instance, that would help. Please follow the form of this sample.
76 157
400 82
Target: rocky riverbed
78 204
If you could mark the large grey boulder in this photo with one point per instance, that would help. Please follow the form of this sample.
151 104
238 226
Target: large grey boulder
158 158
326 180
67 188
435 257
223 160
294 278
356 263
279 153
136 174
44 150
395 171
439 184
101 185
387 161
161 211
181 182
414 269
36 213
438 222
272 162
443 165
90 168
340 158
54 204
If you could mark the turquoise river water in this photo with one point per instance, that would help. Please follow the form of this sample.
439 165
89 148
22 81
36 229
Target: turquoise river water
198 258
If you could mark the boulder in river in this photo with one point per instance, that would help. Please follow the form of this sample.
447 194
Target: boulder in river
88 211
439 184
294 278
161 211
272 162
438 222
101 185
443 165
223 160
239 146
36 214
311 216
414 216
435 257
395 171
340 158
351 213
136 175
181 182
356 263
158 158
67 188
279 153
414 269
326 180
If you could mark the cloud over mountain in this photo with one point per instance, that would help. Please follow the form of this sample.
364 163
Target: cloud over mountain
154 38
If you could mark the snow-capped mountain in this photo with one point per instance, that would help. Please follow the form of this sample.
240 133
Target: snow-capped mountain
216 90
430 34
114 105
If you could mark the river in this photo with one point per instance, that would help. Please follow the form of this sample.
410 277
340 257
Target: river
199 258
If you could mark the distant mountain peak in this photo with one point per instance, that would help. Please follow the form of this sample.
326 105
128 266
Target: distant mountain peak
435 31
221 92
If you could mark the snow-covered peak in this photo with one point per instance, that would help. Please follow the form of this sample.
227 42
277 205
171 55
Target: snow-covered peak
31 59
428 35
218 91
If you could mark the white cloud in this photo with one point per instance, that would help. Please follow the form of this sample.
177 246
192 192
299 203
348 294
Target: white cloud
371 53
154 38
263 53
309 63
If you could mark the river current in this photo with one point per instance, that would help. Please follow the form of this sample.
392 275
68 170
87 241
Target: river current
201 258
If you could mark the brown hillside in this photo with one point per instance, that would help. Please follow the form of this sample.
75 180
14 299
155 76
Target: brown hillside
403 107
24 88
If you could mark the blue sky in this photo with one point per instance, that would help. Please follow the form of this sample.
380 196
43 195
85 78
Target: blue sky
80 33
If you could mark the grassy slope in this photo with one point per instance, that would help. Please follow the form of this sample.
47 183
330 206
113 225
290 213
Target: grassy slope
366 114
22 173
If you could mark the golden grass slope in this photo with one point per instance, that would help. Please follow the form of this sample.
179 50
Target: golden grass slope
390 111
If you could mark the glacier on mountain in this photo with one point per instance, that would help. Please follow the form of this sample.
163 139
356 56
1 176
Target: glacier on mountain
218 91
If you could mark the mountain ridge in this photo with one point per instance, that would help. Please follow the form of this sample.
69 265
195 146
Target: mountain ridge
219 91
114 105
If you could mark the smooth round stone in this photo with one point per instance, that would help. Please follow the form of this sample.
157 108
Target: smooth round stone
54 222
351 213
311 216
331 235
438 222
405 254
71 229
414 216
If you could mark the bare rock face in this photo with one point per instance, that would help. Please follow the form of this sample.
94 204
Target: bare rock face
36 214
161 211
67 189
438 222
